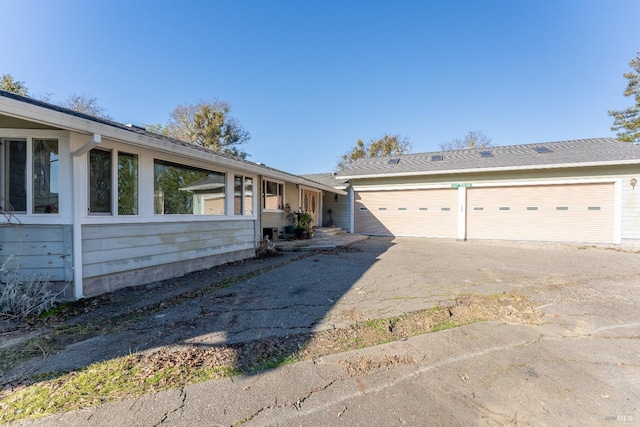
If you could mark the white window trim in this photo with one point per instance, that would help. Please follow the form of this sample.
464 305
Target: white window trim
115 161
113 195
29 135
228 188
244 177
262 193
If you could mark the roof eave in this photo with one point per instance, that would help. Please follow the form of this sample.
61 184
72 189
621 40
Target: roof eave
497 169
59 119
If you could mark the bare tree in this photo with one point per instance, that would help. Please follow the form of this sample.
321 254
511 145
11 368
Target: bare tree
207 124
86 105
474 139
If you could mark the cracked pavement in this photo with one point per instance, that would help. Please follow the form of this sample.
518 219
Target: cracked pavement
580 367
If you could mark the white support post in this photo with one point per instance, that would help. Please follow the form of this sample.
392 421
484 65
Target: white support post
462 213
617 212
351 210
79 203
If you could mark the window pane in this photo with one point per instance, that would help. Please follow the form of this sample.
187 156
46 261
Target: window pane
237 195
127 184
182 189
45 176
99 181
16 191
248 196
273 195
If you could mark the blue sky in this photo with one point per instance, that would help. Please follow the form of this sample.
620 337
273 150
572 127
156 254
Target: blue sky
308 79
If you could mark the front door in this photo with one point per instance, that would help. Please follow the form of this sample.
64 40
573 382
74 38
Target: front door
311 204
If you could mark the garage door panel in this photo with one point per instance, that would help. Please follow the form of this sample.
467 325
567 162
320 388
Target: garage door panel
422 213
570 213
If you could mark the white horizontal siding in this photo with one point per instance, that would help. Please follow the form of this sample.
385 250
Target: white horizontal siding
630 209
339 207
109 249
37 250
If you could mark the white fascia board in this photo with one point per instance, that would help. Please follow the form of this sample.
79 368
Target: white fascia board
62 120
483 184
499 169
284 176
393 187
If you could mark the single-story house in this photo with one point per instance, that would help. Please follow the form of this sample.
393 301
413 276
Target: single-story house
569 191
99 205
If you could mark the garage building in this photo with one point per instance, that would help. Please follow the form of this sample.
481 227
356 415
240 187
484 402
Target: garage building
567 191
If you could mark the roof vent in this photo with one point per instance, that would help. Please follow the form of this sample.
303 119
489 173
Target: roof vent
437 158
542 149
393 161
486 154
132 126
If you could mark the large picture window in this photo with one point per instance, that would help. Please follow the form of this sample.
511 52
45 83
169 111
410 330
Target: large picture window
180 189
272 195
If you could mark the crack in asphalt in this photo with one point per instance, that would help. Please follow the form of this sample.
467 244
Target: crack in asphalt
410 375
297 405
183 395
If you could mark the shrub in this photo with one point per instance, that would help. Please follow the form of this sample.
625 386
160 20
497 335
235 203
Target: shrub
24 296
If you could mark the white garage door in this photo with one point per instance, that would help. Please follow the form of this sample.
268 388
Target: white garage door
565 213
421 213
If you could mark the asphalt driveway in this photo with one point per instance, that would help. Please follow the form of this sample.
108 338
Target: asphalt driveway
580 367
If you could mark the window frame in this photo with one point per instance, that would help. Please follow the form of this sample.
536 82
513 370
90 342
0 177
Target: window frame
53 180
5 180
136 203
114 176
198 211
112 203
29 192
243 195
263 202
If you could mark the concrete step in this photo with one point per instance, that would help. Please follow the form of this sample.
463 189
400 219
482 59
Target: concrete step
319 232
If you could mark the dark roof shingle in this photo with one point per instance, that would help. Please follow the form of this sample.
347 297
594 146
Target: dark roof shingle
329 179
587 151
141 131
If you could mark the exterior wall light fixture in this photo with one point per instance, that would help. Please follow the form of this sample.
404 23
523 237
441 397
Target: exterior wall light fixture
633 183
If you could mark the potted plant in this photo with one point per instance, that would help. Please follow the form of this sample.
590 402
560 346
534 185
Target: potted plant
330 223
303 224
290 228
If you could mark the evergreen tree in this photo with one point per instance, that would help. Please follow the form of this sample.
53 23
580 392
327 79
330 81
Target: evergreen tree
627 122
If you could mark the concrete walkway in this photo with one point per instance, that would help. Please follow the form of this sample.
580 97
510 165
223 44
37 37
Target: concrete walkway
319 243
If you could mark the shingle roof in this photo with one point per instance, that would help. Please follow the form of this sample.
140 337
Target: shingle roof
327 179
581 152
137 130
